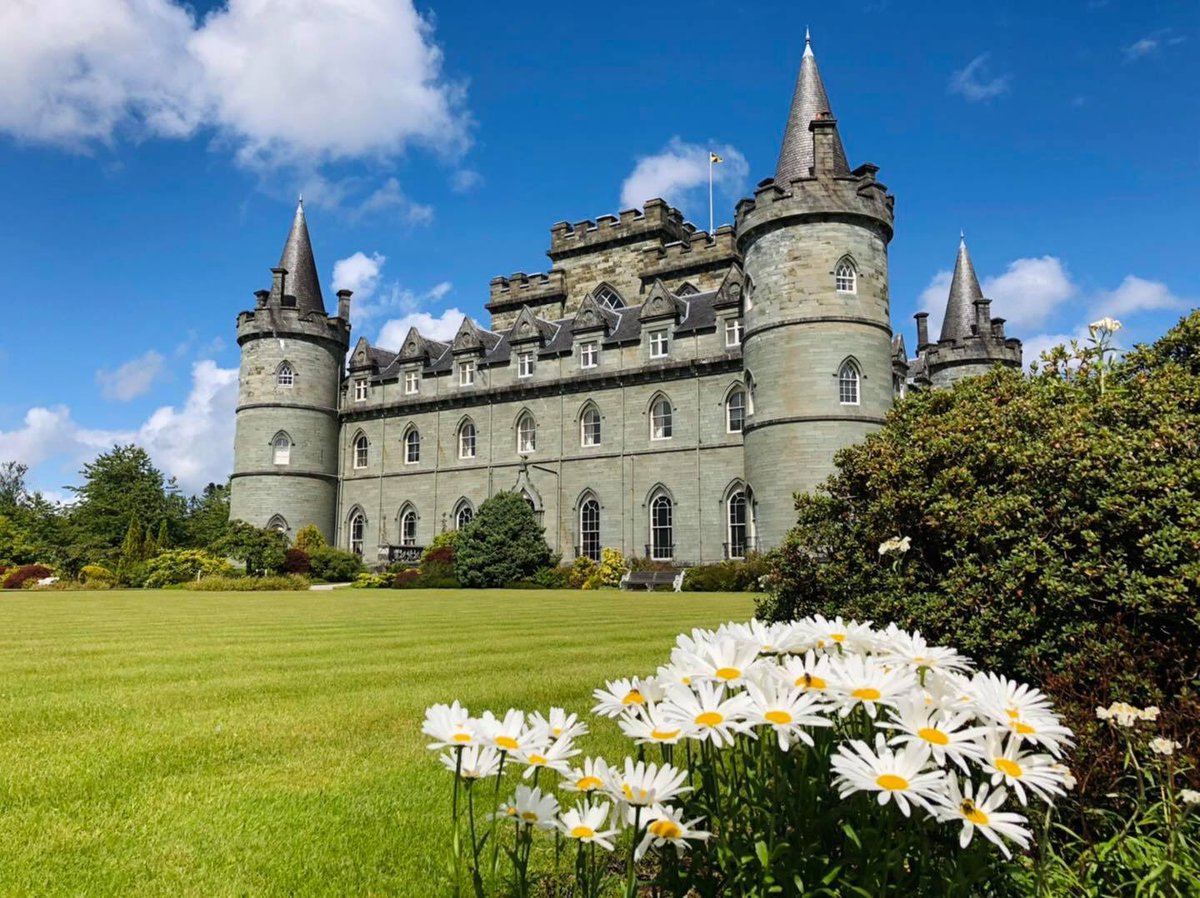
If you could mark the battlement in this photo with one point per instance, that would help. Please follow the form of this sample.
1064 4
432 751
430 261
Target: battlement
275 322
700 251
858 194
655 220
527 288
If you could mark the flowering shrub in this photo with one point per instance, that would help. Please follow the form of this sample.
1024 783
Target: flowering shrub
798 758
28 573
182 565
611 569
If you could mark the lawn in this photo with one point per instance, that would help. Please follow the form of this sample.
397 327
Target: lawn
268 744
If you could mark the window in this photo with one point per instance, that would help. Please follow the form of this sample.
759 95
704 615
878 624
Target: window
589 427
688 289
408 528
845 278
526 434
278 524
848 384
466 440
463 515
735 411
660 419
609 298
360 390
285 377
282 447
589 354
660 346
360 450
738 530
525 364
358 526
662 541
412 382
412 447
733 331
589 529
466 374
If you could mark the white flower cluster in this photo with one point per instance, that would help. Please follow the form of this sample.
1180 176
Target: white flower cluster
936 727
1126 715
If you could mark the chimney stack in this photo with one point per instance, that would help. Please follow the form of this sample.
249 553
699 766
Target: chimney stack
983 317
261 297
824 132
998 328
922 330
278 282
344 304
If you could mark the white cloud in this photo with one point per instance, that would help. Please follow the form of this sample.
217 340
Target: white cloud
1033 347
1135 294
973 82
933 301
363 274
284 82
465 180
1152 43
1029 291
359 273
390 197
193 444
132 379
679 174
440 327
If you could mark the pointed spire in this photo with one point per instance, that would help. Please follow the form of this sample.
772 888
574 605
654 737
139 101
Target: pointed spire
964 290
808 102
301 281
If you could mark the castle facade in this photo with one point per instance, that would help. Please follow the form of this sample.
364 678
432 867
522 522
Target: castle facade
659 390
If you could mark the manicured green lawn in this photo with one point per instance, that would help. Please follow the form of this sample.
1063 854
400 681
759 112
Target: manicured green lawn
170 743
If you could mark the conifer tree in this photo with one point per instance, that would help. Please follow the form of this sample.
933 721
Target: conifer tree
163 540
132 548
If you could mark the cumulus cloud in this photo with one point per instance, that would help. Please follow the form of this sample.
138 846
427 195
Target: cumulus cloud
359 273
193 443
1029 291
973 81
372 299
283 82
132 379
679 175
1135 294
436 327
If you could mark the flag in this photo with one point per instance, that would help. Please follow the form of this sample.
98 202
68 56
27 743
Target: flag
713 157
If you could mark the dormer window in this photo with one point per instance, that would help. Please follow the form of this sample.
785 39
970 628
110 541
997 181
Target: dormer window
733 332
412 383
660 346
525 364
360 390
845 277
589 354
466 374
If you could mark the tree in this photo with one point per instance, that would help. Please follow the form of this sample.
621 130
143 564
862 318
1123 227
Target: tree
261 549
309 539
120 485
1053 526
504 543
13 492
133 551
207 515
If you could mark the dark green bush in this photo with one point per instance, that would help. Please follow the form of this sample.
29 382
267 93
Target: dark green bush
503 544
727 576
553 577
334 566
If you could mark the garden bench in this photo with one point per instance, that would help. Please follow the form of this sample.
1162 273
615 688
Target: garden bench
651 579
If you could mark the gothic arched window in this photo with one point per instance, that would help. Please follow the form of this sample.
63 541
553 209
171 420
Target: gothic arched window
466 440
735 411
848 383
589 528
845 278
662 530
738 525
285 376
589 426
361 451
661 419
281 449
608 297
463 514
408 527
526 434
358 529
412 446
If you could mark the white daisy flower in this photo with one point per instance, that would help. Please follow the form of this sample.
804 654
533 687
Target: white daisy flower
1164 747
559 723
672 675
786 709
618 695
648 725
892 774
849 636
644 784
555 756
861 681
727 661
529 807
946 733
1189 796
768 638
666 826
506 734
912 649
478 762
707 712
586 824
450 726
809 672
1002 699
1006 763
980 811
591 777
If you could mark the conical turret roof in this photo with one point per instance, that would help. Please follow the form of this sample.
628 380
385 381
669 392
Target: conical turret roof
808 102
301 281
964 290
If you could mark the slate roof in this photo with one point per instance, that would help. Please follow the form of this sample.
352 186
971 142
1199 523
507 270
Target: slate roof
964 290
808 102
302 281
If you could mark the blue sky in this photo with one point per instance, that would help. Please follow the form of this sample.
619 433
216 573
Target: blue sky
151 154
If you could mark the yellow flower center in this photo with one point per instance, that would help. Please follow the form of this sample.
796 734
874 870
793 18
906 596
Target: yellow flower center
582 832
633 697
529 817
665 829
1023 729
937 737
537 759
663 734
838 637
1007 767
557 731
971 811
512 812
506 742
728 673
808 681
1013 713
588 783
867 693
891 782
778 717
709 718
632 794
687 681
461 737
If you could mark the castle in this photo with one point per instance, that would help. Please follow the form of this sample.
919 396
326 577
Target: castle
660 390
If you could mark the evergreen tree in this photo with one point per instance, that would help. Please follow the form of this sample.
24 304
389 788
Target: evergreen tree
120 485
163 539
207 516
503 544
133 548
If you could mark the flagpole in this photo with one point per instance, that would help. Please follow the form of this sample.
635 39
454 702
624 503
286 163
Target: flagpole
710 195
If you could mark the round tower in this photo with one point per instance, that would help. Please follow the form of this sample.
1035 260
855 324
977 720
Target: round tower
817 348
285 455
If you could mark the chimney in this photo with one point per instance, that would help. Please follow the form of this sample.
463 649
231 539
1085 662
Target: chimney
344 304
824 132
261 297
998 328
983 317
278 279
922 330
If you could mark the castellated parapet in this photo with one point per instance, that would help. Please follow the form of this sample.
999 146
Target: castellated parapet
544 292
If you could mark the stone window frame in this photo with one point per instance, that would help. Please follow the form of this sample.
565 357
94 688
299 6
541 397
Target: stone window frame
282 441
361 454
589 348
361 389
412 379
849 382
466 373
462 507
588 522
734 326
412 445
735 392
356 520
662 422
279 523
597 425
526 431
660 524
737 494
659 342
608 297
285 375
845 275
526 362
407 518
461 437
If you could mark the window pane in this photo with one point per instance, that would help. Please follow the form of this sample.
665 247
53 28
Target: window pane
737 411
589 529
591 428
661 533
737 525
660 420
